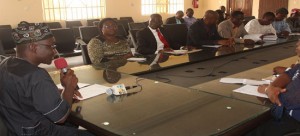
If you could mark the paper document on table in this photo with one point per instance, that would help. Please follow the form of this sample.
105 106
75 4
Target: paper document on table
243 81
294 34
254 37
270 38
179 52
92 91
250 90
212 46
137 59
80 85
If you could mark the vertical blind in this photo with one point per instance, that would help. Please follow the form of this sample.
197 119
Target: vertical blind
56 10
161 6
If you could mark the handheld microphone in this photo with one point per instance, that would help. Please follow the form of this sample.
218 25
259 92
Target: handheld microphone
61 63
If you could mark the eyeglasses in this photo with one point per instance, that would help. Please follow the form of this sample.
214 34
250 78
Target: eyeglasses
110 26
48 45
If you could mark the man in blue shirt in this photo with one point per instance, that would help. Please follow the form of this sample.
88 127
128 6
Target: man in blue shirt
282 28
284 92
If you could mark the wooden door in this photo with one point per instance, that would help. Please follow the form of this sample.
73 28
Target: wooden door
242 5
271 5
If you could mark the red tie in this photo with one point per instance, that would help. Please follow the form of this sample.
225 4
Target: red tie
162 39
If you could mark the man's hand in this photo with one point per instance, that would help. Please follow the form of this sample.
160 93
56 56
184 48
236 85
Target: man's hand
279 70
284 34
249 42
69 80
228 42
272 93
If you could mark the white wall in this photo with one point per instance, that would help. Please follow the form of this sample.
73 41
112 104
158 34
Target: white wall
14 11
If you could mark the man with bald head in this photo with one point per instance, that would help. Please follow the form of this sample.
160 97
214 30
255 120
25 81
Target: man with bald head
177 19
152 39
204 32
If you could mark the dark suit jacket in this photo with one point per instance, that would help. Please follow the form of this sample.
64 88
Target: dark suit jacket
172 20
199 34
146 43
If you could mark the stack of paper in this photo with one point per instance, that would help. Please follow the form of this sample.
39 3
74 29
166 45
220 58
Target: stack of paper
179 52
212 46
270 38
243 81
137 59
92 91
250 90
254 37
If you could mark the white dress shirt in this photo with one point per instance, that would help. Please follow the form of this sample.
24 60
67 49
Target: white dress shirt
160 44
254 27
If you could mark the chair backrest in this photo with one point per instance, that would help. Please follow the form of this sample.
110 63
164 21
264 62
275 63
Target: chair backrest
85 55
1 49
6 26
136 26
6 38
65 41
71 24
247 19
125 25
121 31
132 34
90 22
3 128
88 32
53 25
130 19
96 23
177 34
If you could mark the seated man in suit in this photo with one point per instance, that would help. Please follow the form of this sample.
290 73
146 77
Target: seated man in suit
176 19
189 19
282 28
152 39
234 28
204 32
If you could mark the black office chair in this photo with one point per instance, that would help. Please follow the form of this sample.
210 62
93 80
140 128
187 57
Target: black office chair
121 32
85 55
1 49
177 34
125 25
7 40
53 25
74 25
3 128
90 22
136 26
132 34
247 19
88 32
96 23
129 19
65 41
6 26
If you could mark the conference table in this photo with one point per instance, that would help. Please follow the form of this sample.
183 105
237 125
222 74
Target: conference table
180 97
158 109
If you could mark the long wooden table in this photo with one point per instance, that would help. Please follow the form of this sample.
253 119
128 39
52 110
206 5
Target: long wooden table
192 102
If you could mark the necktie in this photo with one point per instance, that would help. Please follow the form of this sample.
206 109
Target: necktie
162 39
